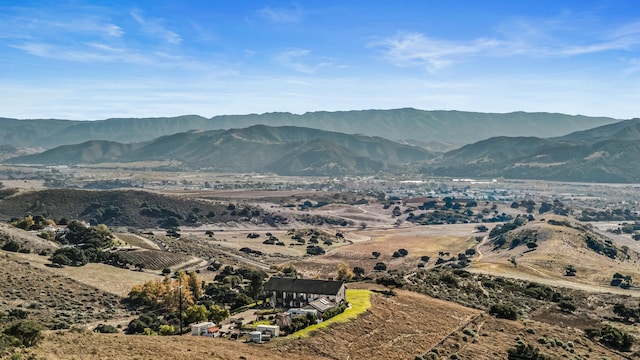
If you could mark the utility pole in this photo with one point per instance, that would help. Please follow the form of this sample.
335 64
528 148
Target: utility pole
180 304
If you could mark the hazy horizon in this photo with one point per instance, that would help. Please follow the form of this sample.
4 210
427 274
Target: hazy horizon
89 60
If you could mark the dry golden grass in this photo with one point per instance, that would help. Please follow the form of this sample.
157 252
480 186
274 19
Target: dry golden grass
418 241
136 240
104 277
393 328
558 246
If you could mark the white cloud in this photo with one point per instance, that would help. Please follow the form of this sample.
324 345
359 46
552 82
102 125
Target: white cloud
281 15
544 38
294 59
154 27
414 49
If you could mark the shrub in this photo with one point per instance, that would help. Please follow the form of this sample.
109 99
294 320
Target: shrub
28 332
525 351
12 246
106 329
567 306
469 332
166 330
60 326
380 266
18 314
611 337
502 311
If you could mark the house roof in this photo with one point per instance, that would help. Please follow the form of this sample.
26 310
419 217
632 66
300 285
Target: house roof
309 286
322 305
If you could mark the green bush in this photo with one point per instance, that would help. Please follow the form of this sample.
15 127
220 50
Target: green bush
525 352
106 329
12 246
502 311
28 332
166 330
611 337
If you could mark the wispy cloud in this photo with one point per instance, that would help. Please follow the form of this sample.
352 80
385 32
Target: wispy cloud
516 37
85 53
281 15
414 49
21 27
300 60
155 27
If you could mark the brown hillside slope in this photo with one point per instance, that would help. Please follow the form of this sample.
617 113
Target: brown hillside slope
396 327
559 246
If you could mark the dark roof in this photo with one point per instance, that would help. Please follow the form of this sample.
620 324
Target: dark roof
309 286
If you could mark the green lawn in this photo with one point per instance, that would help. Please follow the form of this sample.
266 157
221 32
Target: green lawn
360 301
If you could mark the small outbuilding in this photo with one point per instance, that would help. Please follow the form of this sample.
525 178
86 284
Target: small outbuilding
255 336
201 329
270 330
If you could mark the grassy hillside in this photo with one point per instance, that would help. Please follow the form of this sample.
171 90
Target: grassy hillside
139 209
284 150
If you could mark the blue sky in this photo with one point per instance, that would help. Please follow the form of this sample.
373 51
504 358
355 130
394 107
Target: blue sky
94 60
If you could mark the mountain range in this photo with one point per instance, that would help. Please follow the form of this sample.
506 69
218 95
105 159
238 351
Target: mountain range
604 153
437 130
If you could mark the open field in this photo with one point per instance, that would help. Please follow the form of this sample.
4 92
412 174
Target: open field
418 241
136 241
104 277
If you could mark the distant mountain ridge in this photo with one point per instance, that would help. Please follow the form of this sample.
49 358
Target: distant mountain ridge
284 150
606 153
451 128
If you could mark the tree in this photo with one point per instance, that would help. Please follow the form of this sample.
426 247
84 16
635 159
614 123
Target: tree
217 314
380 266
195 313
60 259
28 332
195 285
344 272
256 286
503 312
136 326
375 254
358 271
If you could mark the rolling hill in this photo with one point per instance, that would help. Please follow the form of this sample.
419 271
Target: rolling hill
602 154
285 150
443 128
